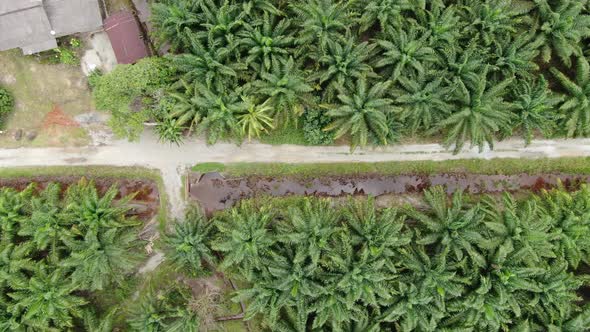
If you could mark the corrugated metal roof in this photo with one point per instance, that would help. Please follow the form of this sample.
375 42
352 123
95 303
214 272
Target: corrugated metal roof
7 6
71 16
24 27
126 38
29 23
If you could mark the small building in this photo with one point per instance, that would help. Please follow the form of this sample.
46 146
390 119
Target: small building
34 25
126 37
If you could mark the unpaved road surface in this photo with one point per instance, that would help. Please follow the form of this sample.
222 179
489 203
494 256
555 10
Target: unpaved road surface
172 160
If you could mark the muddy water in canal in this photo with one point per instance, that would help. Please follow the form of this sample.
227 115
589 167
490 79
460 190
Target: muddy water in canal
214 192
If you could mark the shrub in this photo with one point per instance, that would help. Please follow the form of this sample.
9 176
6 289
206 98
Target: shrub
6 102
314 121
116 91
66 56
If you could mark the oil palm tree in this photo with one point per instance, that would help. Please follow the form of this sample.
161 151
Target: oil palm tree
185 110
15 264
309 228
362 277
321 21
263 297
576 105
494 19
422 292
170 22
102 260
220 112
222 23
342 63
362 113
285 87
170 130
187 246
563 25
515 56
212 65
452 227
163 310
13 205
443 23
332 310
534 108
567 214
94 211
518 233
379 233
388 13
46 228
422 100
48 301
556 297
462 64
245 239
255 120
405 52
482 113
268 42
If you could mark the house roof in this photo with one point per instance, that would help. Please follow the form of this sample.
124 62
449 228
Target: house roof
72 16
23 26
33 25
7 6
126 38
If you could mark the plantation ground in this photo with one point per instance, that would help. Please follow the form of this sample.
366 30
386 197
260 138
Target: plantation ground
146 186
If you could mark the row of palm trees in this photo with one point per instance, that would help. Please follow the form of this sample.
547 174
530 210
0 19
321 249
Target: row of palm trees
462 264
472 70
494 264
57 250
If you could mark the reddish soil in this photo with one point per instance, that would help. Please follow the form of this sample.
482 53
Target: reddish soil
145 192
215 193
58 118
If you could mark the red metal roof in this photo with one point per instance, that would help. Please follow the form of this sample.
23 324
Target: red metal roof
126 39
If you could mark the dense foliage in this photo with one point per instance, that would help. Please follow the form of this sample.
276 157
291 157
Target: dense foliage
6 102
128 92
472 70
57 250
496 264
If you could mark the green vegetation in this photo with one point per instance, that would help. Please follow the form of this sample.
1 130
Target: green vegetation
66 52
477 166
208 167
6 102
59 253
473 71
95 172
494 265
129 92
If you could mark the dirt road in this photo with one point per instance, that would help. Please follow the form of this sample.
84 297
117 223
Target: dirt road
173 160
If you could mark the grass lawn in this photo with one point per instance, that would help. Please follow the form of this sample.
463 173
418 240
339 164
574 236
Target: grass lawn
37 88
477 166
284 135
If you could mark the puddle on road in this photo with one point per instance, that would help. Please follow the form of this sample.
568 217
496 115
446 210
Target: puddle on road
215 193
